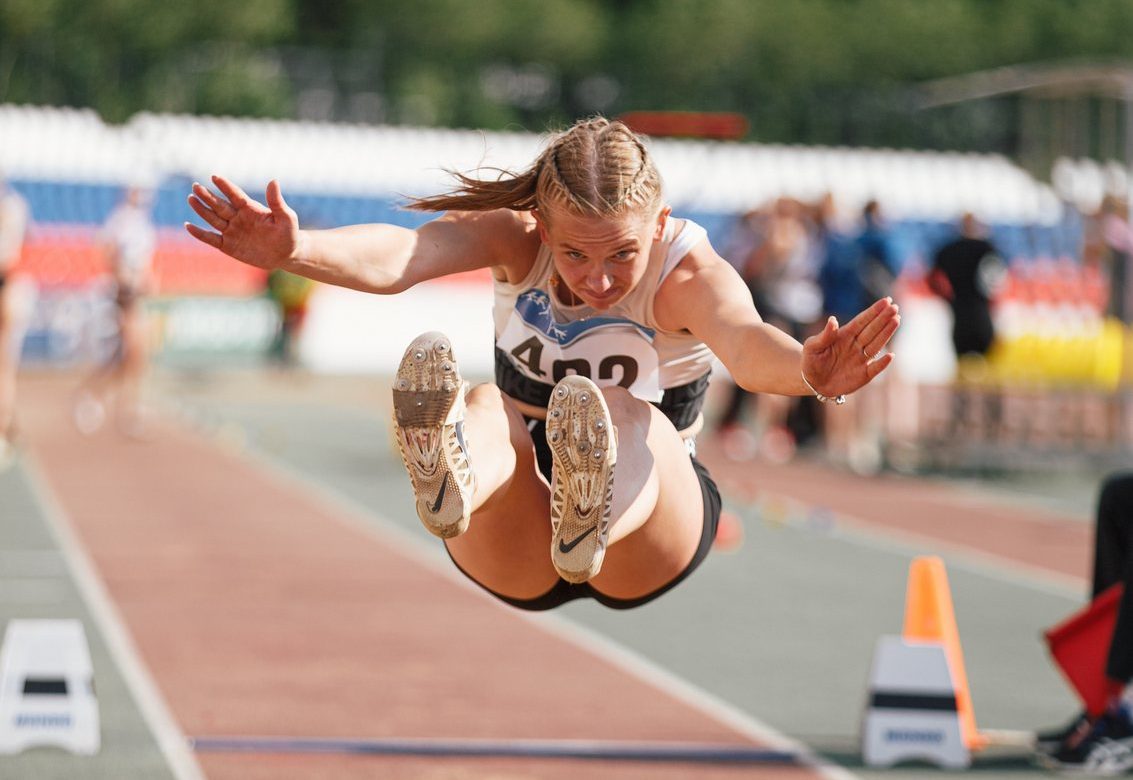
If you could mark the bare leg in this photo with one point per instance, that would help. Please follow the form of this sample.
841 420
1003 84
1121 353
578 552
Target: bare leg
100 387
131 368
16 302
8 360
657 512
776 442
506 545
504 542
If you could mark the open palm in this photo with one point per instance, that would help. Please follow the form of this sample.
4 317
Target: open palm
842 359
263 236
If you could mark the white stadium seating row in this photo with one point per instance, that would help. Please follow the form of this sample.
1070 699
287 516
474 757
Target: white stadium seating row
64 144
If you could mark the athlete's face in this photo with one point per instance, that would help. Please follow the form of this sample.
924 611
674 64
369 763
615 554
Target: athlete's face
600 259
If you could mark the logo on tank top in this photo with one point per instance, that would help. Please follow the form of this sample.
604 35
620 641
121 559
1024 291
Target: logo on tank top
611 351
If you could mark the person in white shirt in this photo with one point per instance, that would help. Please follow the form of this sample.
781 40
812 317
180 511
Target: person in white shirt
13 309
127 241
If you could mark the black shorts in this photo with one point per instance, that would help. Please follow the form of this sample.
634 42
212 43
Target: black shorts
562 591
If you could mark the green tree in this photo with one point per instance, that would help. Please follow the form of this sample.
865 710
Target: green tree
802 71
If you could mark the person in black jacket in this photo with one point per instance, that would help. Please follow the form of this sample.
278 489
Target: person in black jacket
1102 743
967 272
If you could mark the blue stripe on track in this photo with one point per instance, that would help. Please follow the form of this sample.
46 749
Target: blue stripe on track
520 748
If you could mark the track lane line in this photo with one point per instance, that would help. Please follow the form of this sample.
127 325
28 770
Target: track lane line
357 515
171 741
596 750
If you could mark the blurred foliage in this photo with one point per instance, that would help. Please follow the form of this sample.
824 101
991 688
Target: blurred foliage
802 71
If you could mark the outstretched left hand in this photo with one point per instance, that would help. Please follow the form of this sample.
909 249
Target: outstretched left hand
842 359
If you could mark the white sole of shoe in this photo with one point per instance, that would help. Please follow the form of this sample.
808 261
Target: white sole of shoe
580 433
428 407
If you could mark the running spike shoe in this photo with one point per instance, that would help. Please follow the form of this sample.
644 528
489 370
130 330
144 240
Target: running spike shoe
583 446
428 411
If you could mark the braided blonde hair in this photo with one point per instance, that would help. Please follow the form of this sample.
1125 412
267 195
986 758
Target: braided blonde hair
596 168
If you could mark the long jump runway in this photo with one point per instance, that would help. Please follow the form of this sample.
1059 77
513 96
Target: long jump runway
276 600
263 612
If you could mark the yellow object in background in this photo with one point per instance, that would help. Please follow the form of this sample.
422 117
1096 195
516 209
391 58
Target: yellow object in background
1096 359
1110 355
288 289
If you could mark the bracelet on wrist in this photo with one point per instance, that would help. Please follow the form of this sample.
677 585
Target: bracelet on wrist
838 400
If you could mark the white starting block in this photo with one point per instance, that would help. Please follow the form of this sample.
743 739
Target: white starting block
912 712
47 688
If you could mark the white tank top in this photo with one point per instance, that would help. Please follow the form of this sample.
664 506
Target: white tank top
545 339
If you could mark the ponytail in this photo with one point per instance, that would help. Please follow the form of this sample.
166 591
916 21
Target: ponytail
509 191
597 167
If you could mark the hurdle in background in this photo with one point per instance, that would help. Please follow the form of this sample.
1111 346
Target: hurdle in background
919 705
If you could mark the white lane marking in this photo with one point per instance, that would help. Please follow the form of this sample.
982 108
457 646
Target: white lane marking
644 669
357 515
170 740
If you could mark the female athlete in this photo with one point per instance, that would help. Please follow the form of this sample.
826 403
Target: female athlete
608 313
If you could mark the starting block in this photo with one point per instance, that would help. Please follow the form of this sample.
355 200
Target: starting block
47 688
919 706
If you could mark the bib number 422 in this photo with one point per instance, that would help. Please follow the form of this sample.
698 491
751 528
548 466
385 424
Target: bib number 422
624 367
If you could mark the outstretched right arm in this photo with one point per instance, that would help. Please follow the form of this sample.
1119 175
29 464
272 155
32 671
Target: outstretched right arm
375 258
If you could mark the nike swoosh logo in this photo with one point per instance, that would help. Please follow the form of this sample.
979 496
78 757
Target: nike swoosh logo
565 547
440 497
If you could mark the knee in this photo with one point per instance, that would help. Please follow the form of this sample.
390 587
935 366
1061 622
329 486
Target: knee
491 405
484 395
488 402
624 408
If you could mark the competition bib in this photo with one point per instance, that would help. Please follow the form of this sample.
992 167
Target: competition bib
608 350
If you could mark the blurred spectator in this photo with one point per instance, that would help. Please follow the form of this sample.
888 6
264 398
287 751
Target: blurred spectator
879 265
745 238
783 266
291 294
1102 742
127 240
1117 240
854 271
772 253
967 272
13 314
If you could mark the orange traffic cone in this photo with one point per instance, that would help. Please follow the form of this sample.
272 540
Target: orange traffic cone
929 617
729 533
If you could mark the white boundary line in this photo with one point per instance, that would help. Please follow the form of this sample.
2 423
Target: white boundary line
372 524
639 666
170 740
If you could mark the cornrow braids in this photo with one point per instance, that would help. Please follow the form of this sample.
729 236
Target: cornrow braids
597 167
601 168
554 190
645 188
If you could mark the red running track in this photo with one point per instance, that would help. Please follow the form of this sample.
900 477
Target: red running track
260 610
